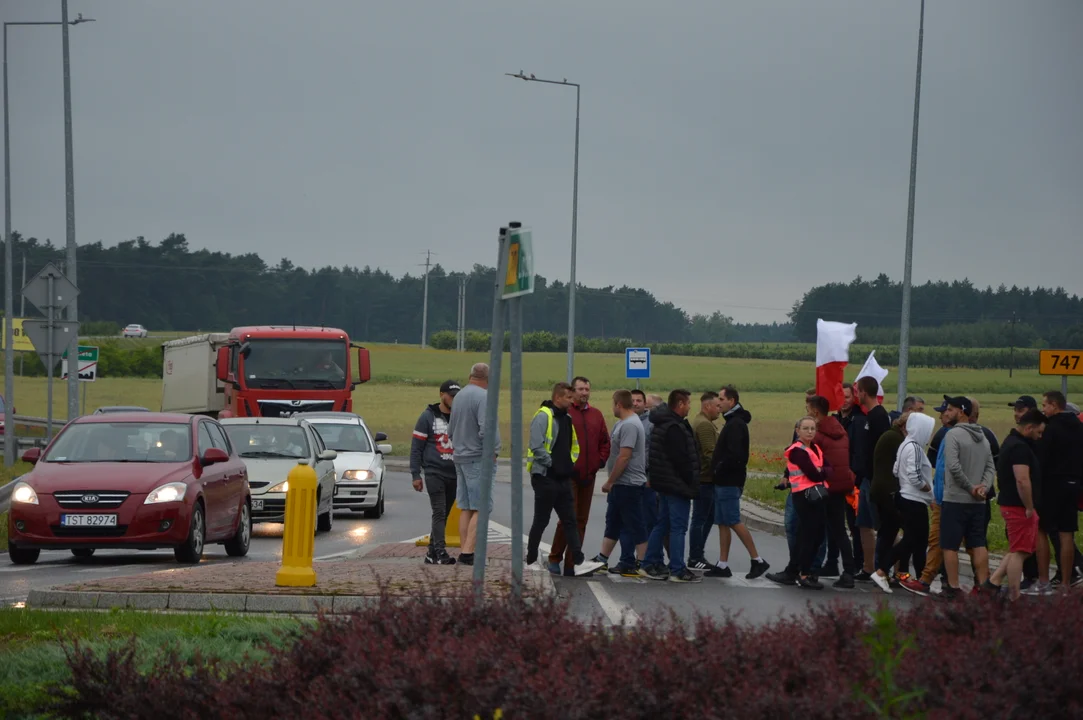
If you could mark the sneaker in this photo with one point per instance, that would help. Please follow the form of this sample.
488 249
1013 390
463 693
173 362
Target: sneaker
845 582
719 572
685 576
830 570
440 558
588 568
1027 583
949 593
699 564
991 590
599 558
1077 579
1039 588
466 558
759 567
782 578
863 577
553 567
809 583
624 571
881 582
915 586
654 572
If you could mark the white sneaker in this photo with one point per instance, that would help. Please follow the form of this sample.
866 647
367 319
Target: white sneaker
588 567
881 582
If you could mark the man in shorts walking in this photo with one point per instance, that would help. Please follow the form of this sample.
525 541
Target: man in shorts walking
466 430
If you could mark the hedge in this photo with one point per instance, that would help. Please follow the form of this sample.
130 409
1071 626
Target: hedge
934 357
430 658
114 360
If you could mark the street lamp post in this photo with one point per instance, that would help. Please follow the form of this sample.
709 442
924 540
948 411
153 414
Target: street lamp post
904 330
9 290
575 215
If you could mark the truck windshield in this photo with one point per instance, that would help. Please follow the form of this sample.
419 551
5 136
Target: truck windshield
295 364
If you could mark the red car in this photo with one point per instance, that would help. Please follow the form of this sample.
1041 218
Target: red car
133 480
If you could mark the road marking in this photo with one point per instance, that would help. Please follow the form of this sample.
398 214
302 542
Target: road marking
344 553
21 568
618 614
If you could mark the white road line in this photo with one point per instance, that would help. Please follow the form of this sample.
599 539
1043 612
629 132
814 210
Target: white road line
335 555
21 568
618 614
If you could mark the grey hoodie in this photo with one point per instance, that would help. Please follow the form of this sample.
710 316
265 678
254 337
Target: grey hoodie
912 466
968 463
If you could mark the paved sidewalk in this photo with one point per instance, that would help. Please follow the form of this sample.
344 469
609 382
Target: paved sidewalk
342 585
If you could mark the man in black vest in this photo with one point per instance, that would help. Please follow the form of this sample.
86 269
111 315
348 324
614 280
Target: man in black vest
674 460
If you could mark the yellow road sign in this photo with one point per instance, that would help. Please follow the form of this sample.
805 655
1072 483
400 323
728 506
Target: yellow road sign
21 341
1060 362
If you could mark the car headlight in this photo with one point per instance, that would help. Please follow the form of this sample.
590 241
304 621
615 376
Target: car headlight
23 493
357 475
170 492
281 487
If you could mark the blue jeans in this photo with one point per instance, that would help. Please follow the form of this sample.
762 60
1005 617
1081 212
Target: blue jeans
650 509
673 521
702 520
790 523
624 521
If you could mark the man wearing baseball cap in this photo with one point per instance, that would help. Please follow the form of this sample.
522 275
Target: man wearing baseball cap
1020 406
431 453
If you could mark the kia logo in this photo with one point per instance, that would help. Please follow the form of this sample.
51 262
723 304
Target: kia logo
90 499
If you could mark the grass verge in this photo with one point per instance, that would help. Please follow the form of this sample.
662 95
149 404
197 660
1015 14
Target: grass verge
32 654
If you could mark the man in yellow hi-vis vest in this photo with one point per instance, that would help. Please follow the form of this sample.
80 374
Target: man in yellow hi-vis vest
551 456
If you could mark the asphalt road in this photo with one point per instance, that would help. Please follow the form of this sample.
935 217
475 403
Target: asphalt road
608 598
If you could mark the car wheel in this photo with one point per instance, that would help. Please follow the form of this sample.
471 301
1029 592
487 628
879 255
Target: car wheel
82 553
377 512
237 546
191 552
21 556
324 521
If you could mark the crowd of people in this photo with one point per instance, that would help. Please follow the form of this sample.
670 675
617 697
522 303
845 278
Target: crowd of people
870 494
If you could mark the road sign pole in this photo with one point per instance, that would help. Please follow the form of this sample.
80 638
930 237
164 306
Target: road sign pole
1064 385
49 361
515 315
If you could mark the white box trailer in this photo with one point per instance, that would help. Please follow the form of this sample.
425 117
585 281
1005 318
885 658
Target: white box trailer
189 384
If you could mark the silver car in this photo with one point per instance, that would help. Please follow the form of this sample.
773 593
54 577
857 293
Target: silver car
270 448
359 464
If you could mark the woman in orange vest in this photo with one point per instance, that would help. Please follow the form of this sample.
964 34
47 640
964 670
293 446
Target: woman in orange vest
805 467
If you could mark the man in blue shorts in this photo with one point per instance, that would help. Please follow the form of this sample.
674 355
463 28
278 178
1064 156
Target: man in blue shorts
466 430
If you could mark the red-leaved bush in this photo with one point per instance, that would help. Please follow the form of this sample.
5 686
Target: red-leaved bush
431 659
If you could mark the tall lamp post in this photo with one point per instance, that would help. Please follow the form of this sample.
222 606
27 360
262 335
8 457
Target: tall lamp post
904 330
575 214
9 282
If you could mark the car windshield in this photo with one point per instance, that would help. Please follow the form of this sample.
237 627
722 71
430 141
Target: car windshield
315 364
122 442
343 437
268 441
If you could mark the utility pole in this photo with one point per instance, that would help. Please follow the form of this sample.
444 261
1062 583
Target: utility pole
425 304
69 185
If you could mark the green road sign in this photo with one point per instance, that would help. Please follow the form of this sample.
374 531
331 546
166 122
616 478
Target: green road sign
88 363
519 279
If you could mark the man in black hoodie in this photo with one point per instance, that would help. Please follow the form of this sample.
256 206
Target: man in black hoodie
730 459
1060 453
430 450
674 462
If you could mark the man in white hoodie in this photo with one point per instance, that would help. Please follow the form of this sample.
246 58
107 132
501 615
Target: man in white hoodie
915 474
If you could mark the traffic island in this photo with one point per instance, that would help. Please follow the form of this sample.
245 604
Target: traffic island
392 570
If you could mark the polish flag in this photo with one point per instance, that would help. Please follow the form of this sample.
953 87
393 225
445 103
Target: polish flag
872 369
833 340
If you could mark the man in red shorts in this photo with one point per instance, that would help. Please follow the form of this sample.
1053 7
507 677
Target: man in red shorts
1019 477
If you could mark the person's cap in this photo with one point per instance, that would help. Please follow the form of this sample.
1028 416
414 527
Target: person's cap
942 406
959 402
1072 408
450 387
1025 402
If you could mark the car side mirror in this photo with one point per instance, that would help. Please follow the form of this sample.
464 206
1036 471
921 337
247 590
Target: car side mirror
379 436
384 449
327 455
214 455
32 456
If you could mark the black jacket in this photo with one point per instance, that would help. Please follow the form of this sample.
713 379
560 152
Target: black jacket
731 450
674 458
1060 452
561 453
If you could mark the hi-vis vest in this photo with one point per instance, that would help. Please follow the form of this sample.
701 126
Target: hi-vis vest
799 482
549 439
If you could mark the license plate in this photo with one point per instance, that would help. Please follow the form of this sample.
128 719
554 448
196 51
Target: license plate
257 504
88 520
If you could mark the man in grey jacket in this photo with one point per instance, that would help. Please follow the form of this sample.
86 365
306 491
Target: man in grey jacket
969 473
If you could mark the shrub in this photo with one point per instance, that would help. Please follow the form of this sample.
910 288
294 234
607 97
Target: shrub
430 659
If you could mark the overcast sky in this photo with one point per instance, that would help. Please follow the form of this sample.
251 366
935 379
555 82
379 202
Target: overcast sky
732 153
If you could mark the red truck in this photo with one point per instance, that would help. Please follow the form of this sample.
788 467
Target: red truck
263 371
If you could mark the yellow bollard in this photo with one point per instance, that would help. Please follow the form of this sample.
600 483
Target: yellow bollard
450 540
298 538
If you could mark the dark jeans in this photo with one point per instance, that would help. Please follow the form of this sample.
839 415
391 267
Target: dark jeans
702 520
793 535
441 497
811 518
1030 565
836 533
915 539
554 494
855 534
890 524
672 521
624 521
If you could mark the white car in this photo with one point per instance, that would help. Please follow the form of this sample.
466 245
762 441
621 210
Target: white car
270 448
360 461
134 331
